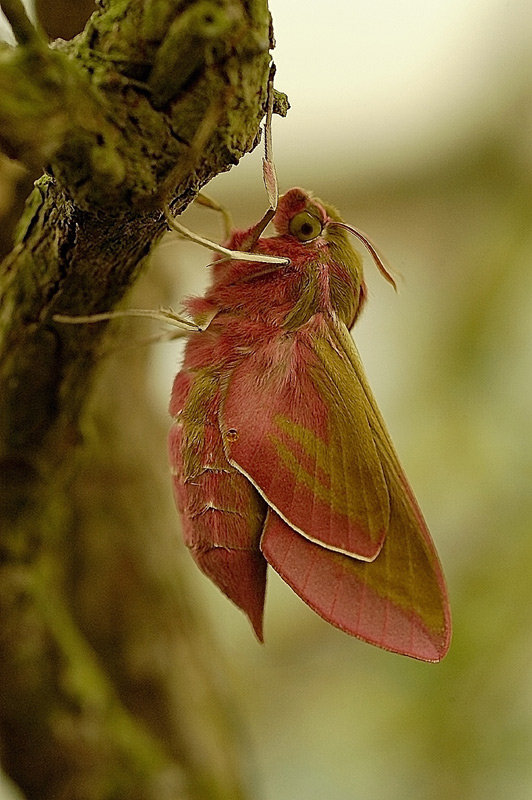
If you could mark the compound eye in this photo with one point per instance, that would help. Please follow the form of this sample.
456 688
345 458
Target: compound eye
305 226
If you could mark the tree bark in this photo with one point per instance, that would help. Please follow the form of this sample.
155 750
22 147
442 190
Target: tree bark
108 681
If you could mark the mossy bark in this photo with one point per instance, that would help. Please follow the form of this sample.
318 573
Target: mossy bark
147 104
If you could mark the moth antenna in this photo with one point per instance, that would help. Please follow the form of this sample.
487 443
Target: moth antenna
377 258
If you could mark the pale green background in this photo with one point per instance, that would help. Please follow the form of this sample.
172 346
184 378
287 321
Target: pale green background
415 119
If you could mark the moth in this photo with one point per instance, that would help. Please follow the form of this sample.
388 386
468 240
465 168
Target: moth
278 451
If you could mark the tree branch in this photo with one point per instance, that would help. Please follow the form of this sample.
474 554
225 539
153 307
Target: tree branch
125 116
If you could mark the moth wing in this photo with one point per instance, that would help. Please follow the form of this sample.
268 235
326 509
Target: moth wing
295 422
398 601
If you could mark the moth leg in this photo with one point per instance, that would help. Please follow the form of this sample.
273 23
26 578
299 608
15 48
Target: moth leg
268 167
269 174
208 202
161 314
237 255
270 182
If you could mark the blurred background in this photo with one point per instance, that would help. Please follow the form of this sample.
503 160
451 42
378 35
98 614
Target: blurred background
414 118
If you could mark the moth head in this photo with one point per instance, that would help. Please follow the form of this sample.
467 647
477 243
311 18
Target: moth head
299 215
307 219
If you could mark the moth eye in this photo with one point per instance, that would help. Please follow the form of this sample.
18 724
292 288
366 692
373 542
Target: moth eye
305 226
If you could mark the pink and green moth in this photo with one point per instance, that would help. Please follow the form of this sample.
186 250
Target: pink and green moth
279 453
